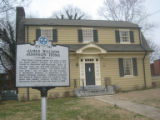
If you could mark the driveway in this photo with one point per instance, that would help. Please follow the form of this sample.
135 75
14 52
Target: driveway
146 110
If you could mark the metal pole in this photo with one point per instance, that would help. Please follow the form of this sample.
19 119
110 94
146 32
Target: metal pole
44 108
43 91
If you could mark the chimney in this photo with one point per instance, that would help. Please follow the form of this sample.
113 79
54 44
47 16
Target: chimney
20 30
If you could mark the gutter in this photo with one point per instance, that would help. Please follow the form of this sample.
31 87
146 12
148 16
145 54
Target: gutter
144 72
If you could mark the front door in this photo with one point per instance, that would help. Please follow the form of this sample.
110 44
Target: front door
90 74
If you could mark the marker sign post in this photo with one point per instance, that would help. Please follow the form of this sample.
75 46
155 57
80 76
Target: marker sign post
42 66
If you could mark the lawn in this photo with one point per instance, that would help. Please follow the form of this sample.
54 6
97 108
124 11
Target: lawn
66 109
149 97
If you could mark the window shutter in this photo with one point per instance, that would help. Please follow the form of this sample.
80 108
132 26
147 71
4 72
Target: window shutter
134 60
131 36
95 35
55 36
117 36
80 36
121 70
38 33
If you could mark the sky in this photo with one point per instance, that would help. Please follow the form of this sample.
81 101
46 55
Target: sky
45 8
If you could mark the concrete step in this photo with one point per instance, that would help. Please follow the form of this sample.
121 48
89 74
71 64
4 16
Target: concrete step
92 88
93 91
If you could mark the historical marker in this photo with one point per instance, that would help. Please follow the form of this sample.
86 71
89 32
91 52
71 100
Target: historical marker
42 65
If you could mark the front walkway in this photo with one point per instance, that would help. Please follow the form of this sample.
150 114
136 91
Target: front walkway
149 111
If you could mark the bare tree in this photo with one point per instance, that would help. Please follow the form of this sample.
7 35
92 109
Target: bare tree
131 11
7 8
156 54
127 10
71 13
8 51
7 36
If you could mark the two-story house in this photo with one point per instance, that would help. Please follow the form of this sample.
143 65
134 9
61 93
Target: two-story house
99 50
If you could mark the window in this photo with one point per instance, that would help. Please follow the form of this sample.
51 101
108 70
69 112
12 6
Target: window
47 33
127 65
124 36
89 60
87 34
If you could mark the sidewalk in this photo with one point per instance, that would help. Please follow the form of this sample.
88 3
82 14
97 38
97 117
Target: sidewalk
148 111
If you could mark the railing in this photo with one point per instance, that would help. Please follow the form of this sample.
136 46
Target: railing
75 83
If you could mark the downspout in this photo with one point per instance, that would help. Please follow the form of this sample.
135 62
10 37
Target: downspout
144 69
144 72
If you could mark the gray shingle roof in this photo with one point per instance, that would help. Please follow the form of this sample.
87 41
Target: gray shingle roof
65 22
145 44
112 47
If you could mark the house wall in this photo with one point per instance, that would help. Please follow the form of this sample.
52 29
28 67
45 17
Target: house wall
69 35
110 69
157 67
152 69
108 63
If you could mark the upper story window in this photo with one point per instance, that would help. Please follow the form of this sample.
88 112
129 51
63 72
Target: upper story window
87 35
49 33
124 36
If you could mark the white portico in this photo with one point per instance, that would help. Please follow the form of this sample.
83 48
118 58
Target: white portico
89 61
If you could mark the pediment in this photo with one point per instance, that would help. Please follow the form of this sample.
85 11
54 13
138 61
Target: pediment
91 49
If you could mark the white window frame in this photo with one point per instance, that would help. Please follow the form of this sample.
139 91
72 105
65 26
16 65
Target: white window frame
131 66
87 35
47 32
121 36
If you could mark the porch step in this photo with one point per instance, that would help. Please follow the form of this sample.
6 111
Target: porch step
93 91
92 88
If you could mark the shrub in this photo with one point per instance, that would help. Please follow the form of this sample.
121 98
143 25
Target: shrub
136 87
154 84
56 95
116 88
66 94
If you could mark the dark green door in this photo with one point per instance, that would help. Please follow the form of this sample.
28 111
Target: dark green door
90 76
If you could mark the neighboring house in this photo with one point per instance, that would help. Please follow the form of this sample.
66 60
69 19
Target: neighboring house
99 50
155 68
155 72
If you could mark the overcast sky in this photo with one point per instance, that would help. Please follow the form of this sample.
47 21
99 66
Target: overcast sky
45 8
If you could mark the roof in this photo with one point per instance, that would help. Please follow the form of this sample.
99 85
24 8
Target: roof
112 47
85 23
145 44
93 23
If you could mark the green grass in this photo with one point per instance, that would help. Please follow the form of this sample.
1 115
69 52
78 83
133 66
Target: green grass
65 109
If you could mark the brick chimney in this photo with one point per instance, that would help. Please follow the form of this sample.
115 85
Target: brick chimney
20 30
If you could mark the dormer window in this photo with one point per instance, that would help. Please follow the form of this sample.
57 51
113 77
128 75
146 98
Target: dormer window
47 33
87 34
124 36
